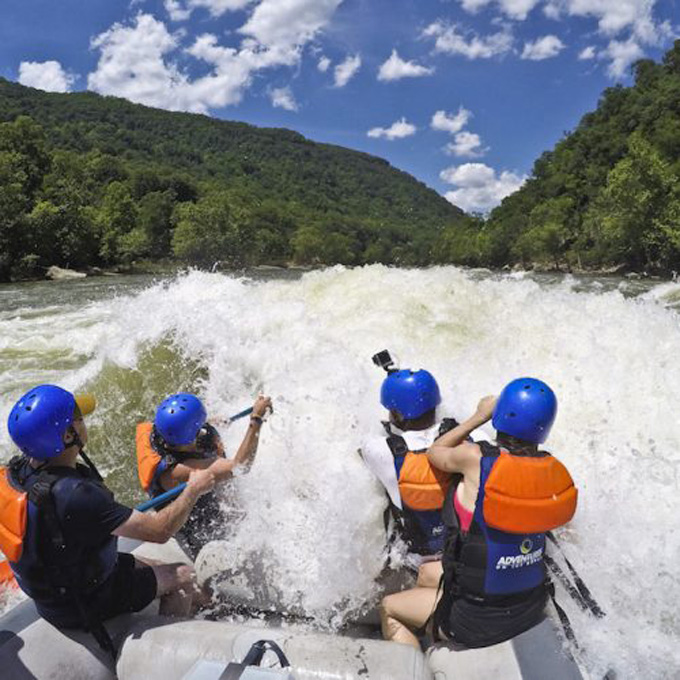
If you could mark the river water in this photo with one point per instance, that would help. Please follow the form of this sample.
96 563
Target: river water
609 347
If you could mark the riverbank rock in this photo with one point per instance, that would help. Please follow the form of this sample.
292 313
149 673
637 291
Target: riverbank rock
58 274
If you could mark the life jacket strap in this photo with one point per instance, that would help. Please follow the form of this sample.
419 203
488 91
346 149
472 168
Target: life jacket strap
398 445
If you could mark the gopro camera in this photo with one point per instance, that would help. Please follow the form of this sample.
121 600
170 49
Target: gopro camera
384 360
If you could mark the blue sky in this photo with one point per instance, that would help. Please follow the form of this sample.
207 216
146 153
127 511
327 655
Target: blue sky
463 94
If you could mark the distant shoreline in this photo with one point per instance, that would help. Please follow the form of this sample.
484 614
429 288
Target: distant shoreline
173 268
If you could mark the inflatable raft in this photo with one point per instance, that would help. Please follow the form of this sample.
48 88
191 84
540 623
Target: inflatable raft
151 646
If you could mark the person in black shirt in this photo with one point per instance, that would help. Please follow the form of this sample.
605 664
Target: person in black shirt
67 558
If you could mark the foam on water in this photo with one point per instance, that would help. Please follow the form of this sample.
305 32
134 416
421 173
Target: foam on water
313 513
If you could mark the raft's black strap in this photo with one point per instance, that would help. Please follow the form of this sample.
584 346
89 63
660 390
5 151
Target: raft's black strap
93 624
234 671
564 580
564 619
257 651
583 591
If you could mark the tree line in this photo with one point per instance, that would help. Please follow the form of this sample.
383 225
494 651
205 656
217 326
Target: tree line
97 181
89 181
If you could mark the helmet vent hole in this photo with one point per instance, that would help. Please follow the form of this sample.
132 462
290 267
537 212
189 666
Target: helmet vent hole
527 387
29 408
512 414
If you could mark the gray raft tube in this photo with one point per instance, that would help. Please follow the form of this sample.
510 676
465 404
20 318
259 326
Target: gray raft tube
157 647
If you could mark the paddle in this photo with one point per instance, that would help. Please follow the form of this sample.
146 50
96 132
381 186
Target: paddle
7 577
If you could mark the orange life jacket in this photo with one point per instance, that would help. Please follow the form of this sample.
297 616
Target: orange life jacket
422 486
528 495
13 515
148 459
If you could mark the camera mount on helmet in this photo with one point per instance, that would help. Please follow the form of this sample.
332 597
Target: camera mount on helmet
385 361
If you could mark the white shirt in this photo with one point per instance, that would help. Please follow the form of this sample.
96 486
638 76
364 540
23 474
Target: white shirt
377 455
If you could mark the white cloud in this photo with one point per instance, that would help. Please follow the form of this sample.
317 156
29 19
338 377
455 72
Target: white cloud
515 9
395 68
478 187
181 11
466 145
543 48
450 40
176 10
587 53
397 130
452 123
615 16
138 61
324 64
133 65
46 75
345 71
283 98
621 56
287 24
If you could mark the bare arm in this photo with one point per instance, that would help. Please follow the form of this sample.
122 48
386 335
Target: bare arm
223 468
451 452
159 527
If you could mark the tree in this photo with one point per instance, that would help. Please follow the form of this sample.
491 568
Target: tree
211 230
116 216
313 245
26 139
634 214
60 235
154 218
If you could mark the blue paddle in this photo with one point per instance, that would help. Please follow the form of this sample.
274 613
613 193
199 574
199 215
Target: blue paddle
176 491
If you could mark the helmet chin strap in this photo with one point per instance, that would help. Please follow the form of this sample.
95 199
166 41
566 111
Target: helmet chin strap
77 441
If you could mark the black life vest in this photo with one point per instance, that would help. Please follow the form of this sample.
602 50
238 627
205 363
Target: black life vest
49 569
422 489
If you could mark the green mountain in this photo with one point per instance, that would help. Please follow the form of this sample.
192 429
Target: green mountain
607 194
90 180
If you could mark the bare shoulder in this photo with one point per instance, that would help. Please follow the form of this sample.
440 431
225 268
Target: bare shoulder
461 458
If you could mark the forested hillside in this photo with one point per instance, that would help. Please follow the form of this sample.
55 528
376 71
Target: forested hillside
607 195
89 180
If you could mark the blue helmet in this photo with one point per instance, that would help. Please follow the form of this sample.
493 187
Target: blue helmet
179 418
526 409
410 393
39 419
